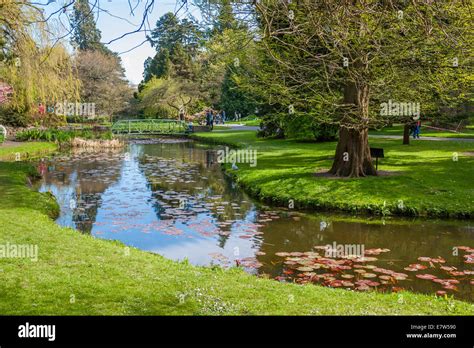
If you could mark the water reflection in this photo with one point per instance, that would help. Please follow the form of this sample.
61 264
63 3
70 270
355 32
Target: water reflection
173 199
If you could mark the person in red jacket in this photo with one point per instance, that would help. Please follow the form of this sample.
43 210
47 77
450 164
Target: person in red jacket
41 109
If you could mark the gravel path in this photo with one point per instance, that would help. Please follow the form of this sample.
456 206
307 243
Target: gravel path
256 128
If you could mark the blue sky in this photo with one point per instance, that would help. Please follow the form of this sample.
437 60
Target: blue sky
112 27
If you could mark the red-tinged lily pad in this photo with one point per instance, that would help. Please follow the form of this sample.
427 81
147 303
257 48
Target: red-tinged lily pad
385 277
399 277
347 276
469 259
369 275
280 278
440 281
296 253
463 247
288 271
383 270
411 269
304 269
441 293
397 289
469 272
426 276
308 274
448 268
367 282
417 266
375 251
335 283
282 254
450 287
358 266
452 281
347 284
365 259
362 288
360 271
340 267
439 259
456 273
471 282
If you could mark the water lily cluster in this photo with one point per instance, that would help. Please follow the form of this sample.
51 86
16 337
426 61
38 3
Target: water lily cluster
356 273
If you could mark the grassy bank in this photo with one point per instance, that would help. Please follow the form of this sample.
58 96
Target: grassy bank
76 274
422 179
26 150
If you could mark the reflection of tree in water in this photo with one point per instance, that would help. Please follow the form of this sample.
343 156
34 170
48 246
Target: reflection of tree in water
90 174
186 180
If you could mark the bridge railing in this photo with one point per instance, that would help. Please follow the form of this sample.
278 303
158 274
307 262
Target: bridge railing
149 126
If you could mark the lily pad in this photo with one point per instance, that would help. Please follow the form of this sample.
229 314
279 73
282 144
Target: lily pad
426 276
457 273
448 268
304 269
347 276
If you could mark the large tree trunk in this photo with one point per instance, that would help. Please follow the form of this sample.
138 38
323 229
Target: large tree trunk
406 134
353 152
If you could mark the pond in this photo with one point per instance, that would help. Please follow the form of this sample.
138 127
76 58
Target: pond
170 196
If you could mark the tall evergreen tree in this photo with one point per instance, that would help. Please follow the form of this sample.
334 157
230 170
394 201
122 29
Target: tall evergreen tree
85 35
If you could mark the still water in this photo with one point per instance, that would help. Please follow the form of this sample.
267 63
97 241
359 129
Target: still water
170 197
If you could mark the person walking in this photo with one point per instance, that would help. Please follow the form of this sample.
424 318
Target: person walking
208 117
211 122
416 132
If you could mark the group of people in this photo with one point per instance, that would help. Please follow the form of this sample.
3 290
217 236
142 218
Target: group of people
215 117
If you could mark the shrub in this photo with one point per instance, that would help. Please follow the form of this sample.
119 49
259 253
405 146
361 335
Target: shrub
297 126
62 136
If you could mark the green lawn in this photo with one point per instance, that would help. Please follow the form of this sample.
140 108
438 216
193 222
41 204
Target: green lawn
76 274
397 129
26 150
424 179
